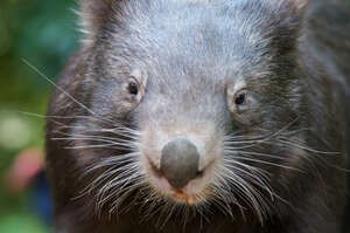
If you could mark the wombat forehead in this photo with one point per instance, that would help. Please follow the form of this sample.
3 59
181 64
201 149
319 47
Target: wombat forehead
207 39
191 33
190 43
203 57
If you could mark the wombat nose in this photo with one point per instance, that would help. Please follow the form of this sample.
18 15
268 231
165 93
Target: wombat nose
179 162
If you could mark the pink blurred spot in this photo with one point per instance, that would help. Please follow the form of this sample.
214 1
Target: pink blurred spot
25 167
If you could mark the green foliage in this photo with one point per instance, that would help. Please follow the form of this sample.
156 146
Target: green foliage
45 33
20 223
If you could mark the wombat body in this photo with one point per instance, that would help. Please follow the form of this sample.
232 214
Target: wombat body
203 116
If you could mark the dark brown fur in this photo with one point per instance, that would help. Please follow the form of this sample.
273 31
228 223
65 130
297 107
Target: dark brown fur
315 200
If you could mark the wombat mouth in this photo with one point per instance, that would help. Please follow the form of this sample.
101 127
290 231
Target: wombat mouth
191 194
183 197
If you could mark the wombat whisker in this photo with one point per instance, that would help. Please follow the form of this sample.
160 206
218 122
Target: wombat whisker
98 146
115 165
249 172
118 127
243 139
307 154
90 139
269 163
59 88
120 131
287 141
122 173
201 211
223 184
114 162
106 163
33 114
234 163
119 195
41 74
295 132
116 189
152 207
310 152
61 117
162 211
108 195
257 176
85 133
114 126
249 194
120 181
117 199
250 198
90 186
130 134
169 215
110 143
120 178
88 189
249 144
144 198
274 143
287 131
254 153
117 160
260 183
257 180
185 212
130 204
223 205
37 115
261 138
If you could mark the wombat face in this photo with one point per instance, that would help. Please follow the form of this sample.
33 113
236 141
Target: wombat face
200 98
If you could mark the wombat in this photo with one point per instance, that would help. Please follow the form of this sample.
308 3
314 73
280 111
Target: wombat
203 116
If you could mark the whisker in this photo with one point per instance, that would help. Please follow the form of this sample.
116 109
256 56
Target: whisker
270 163
306 148
36 70
270 156
262 139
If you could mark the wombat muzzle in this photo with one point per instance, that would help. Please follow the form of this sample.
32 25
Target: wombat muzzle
179 162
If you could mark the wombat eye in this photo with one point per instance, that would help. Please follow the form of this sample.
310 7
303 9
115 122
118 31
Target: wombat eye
240 99
133 88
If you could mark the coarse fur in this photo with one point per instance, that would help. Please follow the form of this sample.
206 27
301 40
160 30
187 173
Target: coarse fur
273 164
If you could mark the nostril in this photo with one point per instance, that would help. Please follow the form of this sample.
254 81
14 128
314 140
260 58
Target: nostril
200 173
180 162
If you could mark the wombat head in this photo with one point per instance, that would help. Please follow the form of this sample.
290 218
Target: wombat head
197 99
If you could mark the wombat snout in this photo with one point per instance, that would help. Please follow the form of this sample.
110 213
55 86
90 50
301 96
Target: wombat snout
180 162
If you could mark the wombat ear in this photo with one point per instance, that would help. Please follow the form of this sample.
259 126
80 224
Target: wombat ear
288 24
93 14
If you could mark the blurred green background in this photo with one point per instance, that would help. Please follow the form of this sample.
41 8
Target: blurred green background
45 33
